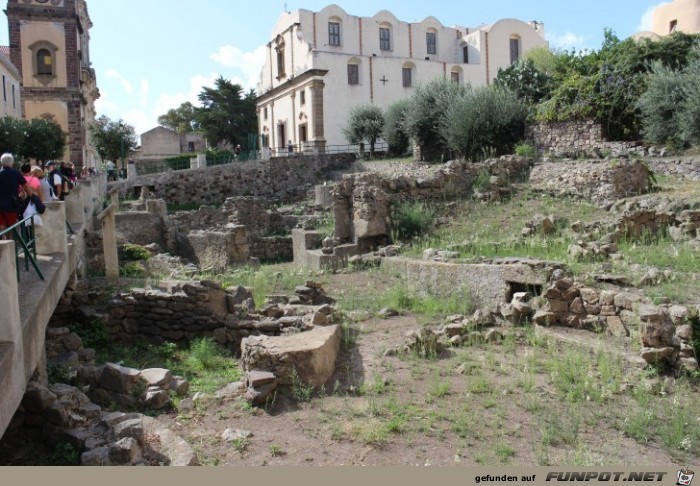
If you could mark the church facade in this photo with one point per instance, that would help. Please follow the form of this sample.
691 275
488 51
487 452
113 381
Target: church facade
50 45
321 64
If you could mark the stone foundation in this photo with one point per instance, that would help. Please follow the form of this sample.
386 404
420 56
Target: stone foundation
601 182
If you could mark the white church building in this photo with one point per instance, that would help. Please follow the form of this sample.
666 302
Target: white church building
321 64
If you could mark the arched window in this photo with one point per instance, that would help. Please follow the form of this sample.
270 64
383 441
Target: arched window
334 31
431 41
44 62
354 71
515 48
408 72
385 36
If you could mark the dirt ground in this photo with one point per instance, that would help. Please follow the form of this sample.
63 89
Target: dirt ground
405 410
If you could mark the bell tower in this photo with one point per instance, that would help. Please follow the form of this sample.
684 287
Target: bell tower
50 45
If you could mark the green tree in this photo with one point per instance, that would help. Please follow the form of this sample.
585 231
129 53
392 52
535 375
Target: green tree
606 84
12 134
181 119
365 124
44 140
38 138
394 131
426 114
483 120
523 79
227 115
113 140
669 109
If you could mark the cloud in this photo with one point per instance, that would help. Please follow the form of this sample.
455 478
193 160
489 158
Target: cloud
647 20
568 40
126 85
143 92
167 101
249 63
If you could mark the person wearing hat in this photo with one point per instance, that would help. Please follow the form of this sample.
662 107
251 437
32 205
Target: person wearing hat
11 181
55 180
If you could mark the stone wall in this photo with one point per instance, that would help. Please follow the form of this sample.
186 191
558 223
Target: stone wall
601 182
213 250
487 285
182 311
683 168
179 312
664 331
362 201
574 138
263 226
279 180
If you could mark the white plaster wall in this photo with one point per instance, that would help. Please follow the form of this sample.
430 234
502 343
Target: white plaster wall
8 105
499 42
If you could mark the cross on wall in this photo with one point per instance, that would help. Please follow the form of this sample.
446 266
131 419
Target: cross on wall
384 80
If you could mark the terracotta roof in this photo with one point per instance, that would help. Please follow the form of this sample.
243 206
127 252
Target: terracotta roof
5 50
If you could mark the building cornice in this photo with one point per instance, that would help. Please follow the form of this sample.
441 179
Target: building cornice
295 81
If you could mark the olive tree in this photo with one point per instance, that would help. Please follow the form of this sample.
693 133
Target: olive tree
365 124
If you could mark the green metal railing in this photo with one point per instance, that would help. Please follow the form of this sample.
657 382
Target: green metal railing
25 243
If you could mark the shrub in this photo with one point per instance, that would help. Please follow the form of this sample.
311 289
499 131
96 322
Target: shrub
394 127
411 219
133 270
660 107
484 119
135 252
525 150
425 116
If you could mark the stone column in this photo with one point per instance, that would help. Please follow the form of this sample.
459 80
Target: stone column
87 191
109 243
51 237
75 209
318 141
12 380
131 171
114 198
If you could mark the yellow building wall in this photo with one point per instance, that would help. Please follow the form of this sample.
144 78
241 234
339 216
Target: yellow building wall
53 33
686 13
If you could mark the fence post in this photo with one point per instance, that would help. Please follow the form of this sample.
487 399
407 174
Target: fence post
109 243
51 237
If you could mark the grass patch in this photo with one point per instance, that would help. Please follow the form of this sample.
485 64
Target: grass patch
206 365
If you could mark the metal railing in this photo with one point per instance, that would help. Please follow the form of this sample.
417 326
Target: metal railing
183 163
25 243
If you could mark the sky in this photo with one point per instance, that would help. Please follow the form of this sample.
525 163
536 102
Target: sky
153 55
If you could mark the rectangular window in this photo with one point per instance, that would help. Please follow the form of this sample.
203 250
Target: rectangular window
333 33
514 50
4 89
14 98
384 39
302 97
353 74
265 113
280 64
455 78
465 54
672 26
431 41
407 77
